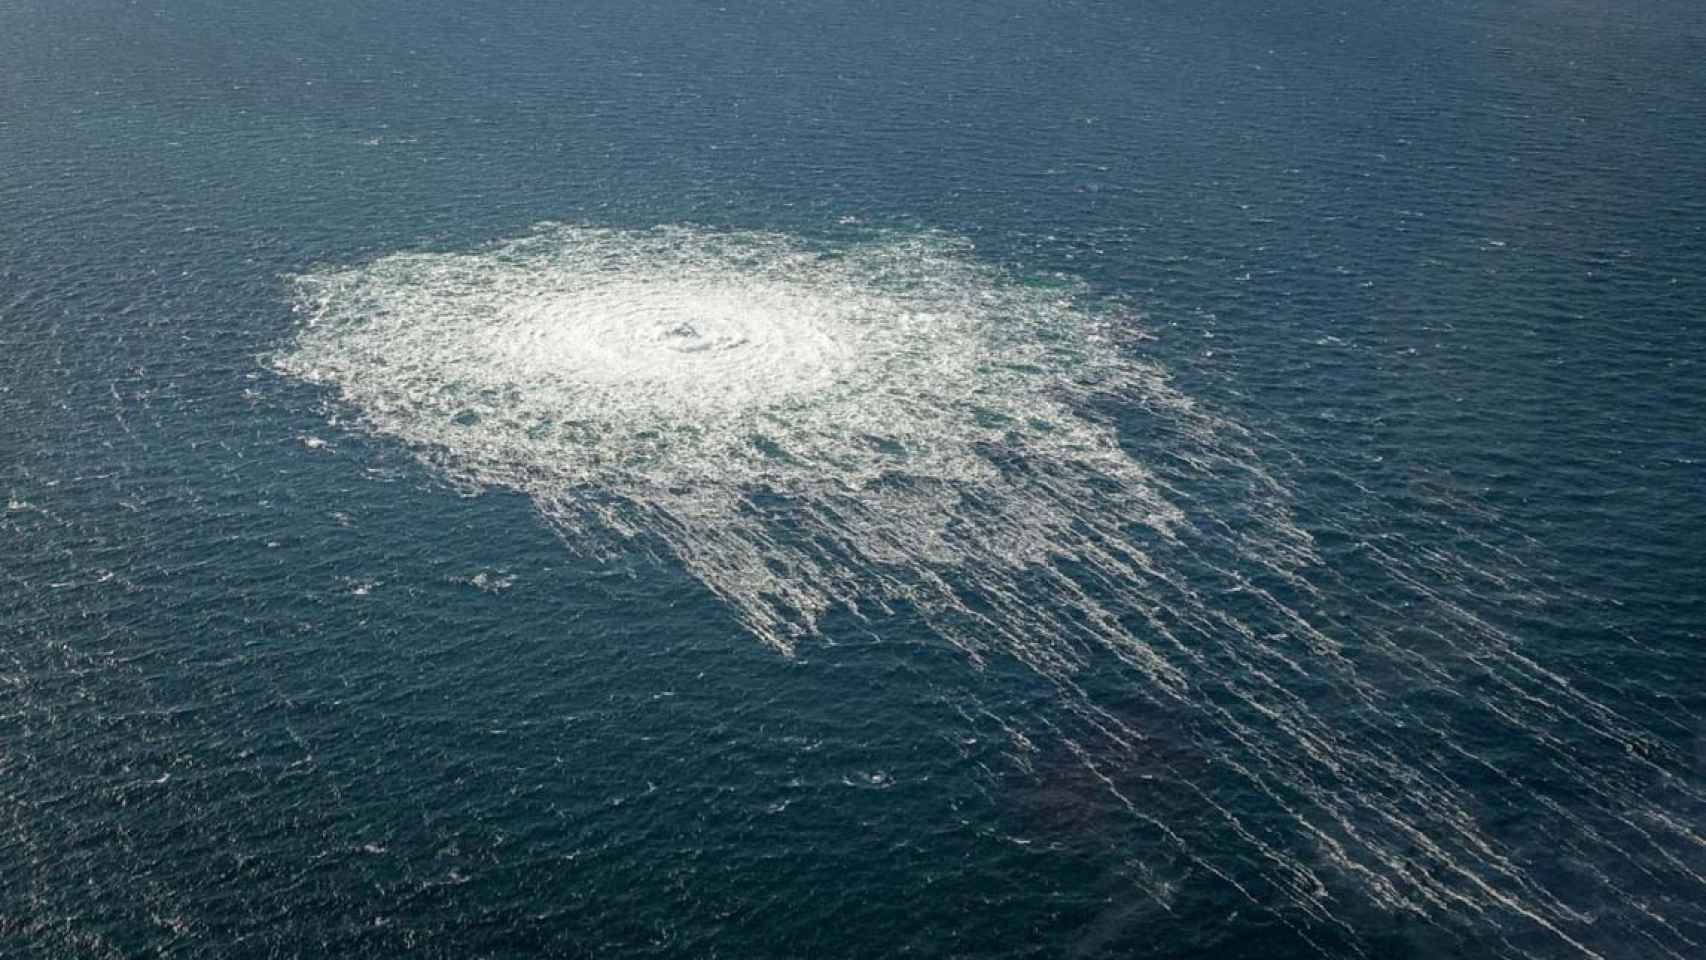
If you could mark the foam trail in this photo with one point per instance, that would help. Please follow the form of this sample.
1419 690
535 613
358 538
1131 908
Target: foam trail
886 424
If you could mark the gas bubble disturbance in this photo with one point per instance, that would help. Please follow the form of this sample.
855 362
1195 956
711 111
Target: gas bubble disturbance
891 423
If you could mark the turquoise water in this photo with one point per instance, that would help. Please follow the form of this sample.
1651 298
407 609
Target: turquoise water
1070 479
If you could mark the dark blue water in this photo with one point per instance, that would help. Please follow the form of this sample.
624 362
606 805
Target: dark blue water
1441 266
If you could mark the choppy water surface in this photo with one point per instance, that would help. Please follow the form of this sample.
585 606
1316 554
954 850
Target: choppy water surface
579 483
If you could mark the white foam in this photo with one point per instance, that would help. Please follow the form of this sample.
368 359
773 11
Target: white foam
654 383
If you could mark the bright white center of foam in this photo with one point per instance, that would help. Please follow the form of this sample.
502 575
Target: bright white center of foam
677 346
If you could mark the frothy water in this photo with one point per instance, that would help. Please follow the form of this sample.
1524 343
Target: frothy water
802 429
893 427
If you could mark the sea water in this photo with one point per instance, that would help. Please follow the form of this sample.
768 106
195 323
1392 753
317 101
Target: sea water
1079 479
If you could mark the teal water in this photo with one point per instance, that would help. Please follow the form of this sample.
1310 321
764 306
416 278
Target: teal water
784 479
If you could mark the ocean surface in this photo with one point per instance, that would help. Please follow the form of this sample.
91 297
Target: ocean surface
804 479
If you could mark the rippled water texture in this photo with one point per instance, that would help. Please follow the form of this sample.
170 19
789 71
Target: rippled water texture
1069 478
